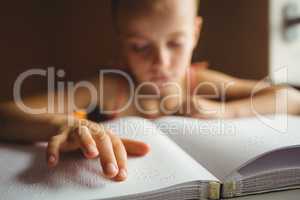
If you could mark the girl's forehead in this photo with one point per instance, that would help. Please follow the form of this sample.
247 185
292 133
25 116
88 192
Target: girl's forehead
148 32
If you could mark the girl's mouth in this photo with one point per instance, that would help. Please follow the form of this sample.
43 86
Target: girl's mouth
160 81
159 78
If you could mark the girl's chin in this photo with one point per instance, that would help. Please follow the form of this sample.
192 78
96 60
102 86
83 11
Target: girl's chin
155 88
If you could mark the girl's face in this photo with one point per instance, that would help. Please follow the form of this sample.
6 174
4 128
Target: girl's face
158 44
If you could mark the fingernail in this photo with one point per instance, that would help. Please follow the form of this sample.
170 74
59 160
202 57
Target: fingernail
111 169
123 173
93 149
52 159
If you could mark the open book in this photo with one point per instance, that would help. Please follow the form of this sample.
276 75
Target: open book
189 159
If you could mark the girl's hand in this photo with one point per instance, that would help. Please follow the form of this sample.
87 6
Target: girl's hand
94 140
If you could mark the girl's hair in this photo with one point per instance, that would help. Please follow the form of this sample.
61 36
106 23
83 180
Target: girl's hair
116 3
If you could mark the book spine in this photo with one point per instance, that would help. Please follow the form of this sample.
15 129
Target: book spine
214 191
229 189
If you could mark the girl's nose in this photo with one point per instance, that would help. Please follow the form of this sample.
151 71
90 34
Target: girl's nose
161 58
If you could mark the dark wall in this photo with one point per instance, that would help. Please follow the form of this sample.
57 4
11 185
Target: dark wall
25 41
77 36
235 36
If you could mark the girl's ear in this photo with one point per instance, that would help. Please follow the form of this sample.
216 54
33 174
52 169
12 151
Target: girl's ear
198 28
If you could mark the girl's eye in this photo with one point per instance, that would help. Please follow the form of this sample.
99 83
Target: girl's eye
174 44
140 48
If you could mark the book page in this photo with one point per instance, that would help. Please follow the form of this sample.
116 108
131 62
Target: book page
222 146
278 160
24 173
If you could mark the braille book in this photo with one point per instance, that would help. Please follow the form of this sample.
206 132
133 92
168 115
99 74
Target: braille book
189 159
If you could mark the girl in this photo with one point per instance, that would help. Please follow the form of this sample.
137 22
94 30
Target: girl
157 38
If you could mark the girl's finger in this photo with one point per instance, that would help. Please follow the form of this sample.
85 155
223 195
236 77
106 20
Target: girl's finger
106 153
87 142
121 156
53 150
135 148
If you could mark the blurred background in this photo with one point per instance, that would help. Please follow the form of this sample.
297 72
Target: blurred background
244 38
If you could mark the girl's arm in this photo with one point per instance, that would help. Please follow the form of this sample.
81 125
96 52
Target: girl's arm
217 83
20 126
246 97
275 100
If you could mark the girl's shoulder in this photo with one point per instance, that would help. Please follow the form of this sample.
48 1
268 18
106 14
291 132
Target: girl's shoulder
196 71
200 65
